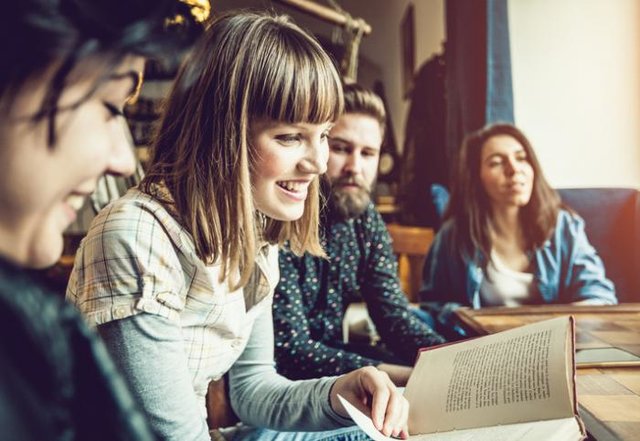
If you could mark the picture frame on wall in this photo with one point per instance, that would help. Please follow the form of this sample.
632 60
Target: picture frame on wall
407 39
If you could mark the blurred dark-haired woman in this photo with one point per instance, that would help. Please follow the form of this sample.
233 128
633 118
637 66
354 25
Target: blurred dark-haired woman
68 69
507 239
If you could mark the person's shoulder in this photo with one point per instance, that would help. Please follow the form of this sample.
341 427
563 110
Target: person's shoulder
133 205
287 258
138 214
569 227
569 221
445 232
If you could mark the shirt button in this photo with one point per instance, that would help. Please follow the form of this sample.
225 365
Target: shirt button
119 312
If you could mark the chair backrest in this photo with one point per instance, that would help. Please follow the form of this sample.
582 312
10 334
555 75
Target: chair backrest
411 245
612 224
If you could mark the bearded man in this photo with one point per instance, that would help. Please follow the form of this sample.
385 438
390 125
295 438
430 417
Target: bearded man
313 294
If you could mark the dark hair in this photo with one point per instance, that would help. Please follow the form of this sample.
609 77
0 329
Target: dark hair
247 66
469 206
359 99
36 35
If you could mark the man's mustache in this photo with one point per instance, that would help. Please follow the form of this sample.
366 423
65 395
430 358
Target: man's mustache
351 180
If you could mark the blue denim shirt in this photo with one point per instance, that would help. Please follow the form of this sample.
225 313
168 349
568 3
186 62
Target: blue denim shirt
567 269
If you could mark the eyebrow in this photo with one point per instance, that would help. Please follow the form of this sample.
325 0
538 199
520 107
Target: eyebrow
337 138
522 150
346 141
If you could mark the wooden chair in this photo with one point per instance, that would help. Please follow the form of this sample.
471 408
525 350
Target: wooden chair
411 245
219 411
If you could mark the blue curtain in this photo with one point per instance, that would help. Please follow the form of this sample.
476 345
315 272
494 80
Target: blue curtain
478 58
454 94
499 105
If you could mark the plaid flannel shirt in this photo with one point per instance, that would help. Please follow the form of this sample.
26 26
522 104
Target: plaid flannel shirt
137 258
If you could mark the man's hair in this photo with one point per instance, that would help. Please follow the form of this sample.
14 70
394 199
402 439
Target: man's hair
37 35
359 99
248 66
470 208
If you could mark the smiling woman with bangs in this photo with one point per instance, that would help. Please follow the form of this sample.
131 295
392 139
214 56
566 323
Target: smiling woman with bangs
178 275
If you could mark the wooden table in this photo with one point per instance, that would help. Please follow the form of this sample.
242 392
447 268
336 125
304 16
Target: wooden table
609 398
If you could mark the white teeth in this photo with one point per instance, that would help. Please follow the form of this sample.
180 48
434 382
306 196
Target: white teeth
76 202
294 186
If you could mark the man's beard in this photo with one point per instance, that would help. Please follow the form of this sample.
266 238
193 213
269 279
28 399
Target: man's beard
350 203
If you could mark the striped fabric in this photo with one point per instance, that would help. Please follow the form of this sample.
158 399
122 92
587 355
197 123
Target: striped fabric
137 258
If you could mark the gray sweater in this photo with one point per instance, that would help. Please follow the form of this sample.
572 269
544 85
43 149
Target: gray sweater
149 350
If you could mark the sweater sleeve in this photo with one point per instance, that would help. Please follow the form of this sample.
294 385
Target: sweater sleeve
262 398
148 349
298 354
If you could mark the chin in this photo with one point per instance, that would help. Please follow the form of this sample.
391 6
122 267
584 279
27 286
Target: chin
45 253
286 216
524 201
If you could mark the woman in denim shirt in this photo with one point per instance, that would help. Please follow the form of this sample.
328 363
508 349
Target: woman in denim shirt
507 239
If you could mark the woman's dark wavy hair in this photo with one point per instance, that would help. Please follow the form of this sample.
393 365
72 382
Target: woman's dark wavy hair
36 34
470 209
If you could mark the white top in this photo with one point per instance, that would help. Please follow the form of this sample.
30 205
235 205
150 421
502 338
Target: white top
503 286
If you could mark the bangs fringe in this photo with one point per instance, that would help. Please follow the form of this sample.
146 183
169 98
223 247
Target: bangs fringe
302 86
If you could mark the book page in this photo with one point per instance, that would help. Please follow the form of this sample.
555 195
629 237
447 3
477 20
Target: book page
514 376
566 429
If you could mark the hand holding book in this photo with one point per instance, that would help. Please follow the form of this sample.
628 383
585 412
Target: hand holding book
513 385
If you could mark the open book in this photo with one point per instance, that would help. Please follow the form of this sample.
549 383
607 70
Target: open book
514 385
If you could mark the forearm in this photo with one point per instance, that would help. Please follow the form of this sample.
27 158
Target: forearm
307 358
298 354
400 328
149 351
263 398
404 332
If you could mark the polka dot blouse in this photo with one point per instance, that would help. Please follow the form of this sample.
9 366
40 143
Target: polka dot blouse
313 293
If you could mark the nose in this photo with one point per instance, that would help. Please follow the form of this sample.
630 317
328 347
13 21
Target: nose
353 164
511 167
122 161
315 161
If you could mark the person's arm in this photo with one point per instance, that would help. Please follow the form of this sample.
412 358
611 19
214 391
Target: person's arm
129 282
149 350
298 354
444 280
400 329
586 281
262 398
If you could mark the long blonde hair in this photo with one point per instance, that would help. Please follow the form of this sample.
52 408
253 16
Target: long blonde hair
247 66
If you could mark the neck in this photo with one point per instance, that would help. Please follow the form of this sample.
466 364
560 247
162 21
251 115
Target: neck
505 221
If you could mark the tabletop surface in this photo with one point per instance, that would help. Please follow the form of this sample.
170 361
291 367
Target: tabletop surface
609 397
